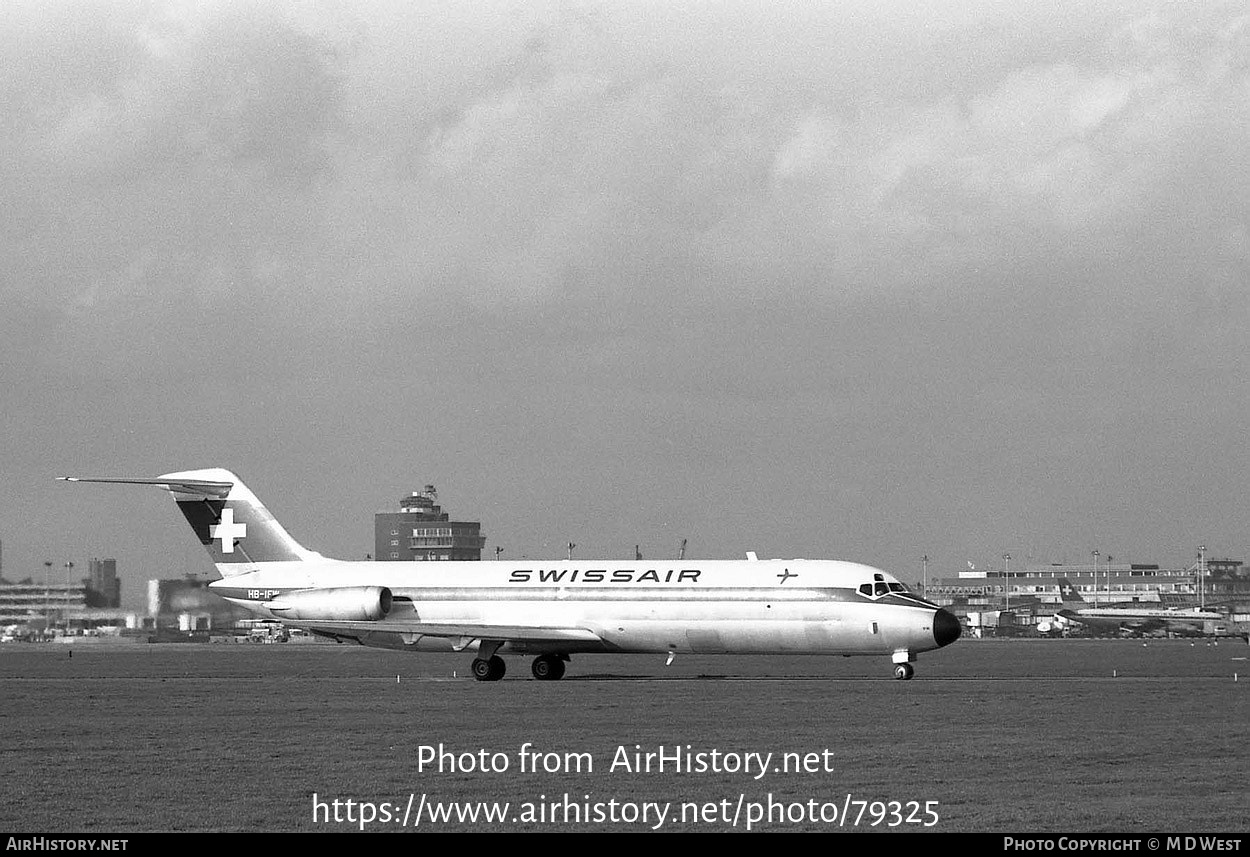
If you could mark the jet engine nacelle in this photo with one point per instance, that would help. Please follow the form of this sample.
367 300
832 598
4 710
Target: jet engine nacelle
344 604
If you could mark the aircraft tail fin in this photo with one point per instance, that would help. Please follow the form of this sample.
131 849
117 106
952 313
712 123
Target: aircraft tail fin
232 524
1070 594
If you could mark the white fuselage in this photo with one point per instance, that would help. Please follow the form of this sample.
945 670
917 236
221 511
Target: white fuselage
744 607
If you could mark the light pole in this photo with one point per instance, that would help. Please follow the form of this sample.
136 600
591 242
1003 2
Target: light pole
1007 578
1202 574
1094 554
924 574
47 585
69 570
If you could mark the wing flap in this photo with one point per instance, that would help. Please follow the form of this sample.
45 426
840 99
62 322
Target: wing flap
507 633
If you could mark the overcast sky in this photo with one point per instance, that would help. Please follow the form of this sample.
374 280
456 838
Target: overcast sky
847 280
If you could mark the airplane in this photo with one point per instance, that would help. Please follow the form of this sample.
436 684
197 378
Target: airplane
551 609
1128 618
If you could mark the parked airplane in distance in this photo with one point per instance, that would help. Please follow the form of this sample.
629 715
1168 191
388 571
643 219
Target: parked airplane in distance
1125 618
551 609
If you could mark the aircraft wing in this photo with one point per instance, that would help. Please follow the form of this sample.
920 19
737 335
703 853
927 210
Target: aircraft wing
507 633
1144 625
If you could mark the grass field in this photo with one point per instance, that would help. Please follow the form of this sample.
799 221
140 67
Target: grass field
1006 736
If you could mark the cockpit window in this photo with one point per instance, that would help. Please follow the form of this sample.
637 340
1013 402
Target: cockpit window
880 587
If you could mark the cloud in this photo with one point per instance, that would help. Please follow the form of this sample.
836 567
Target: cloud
337 167
174 170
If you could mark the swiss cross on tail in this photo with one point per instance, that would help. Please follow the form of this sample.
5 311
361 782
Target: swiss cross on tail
227 530
1066 590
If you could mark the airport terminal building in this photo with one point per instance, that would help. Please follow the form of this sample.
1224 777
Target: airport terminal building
61 596
1031 595
1098 583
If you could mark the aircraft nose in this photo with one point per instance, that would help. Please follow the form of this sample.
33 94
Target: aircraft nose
945 627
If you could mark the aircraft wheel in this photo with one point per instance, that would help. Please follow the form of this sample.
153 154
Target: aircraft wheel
902 672
489 670
548 668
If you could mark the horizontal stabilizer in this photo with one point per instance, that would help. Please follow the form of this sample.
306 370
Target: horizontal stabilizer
198 487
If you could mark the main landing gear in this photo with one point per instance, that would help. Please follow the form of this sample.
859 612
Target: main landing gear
489 669
488 666
548 667
903 672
